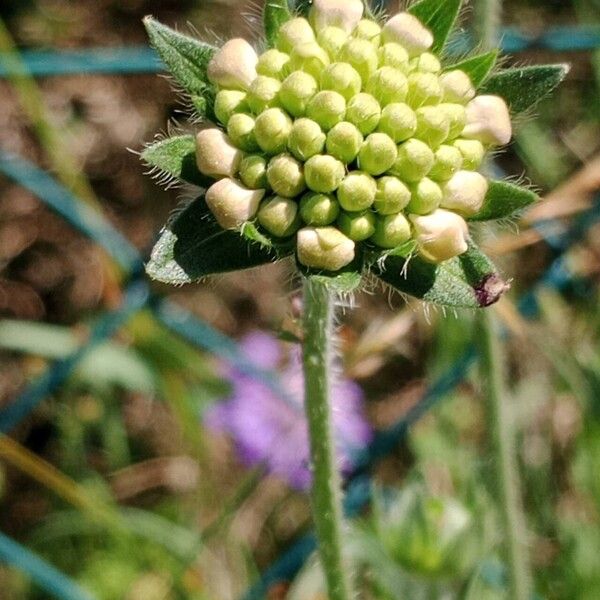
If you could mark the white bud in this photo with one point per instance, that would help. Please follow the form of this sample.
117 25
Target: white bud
324 248
465 192
231 203
344 14
488 121
457 87
440 236
234 65
216 156
406 30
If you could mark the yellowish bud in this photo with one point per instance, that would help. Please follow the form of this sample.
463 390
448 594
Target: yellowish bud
457 87
234 65
488 121
324 248
294 32
465 192
440 236
279 216
231 203
216 156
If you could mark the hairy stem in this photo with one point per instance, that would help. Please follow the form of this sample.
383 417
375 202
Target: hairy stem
502 445
326 488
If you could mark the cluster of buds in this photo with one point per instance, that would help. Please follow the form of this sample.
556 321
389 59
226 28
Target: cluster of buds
348 132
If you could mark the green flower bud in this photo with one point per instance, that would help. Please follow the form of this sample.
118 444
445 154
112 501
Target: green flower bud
457 116
368 30
234 65
253 172
362 56
392 196
472 152
229 102
357 191
332 40
394 55
488 121
262 94
231 203
296 92
415 160
457 87
293 33
378 154
433 126
310 58
306 139
406 30
448 161
319 209
216 156
423 89
364 112
240 130
327 109
344 14
341 78
323 173
324 248
286 176
272 130
273 63
358 226
391 231
398 121
426 196
388 85
465 193
441 235
279 216
426 63
344 142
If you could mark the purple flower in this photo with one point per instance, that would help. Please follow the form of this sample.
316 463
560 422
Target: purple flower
270 429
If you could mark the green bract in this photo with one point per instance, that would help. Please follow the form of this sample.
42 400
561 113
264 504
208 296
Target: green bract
351 143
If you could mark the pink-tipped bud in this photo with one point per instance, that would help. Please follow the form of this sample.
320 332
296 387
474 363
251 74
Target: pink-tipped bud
216 156
344 14
234 65
232 204
324 248
406 30
488 120
440 236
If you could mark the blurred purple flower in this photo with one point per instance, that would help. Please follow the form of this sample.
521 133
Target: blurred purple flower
270 429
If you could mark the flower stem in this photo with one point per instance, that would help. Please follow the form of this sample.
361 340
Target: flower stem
326 488
503 449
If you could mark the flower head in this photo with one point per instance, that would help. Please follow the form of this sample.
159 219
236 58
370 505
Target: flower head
271 430
359 126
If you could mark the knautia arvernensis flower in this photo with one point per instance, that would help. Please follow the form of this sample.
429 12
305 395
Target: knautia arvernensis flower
352 141
270 430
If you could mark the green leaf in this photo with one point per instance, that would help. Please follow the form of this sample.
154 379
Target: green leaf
176 157
340 283
275 14
301 7
524 88
194 245
504 199
467 281
439 16
186 59
477 67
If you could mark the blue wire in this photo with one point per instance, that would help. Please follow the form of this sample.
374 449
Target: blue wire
142 59
41 572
